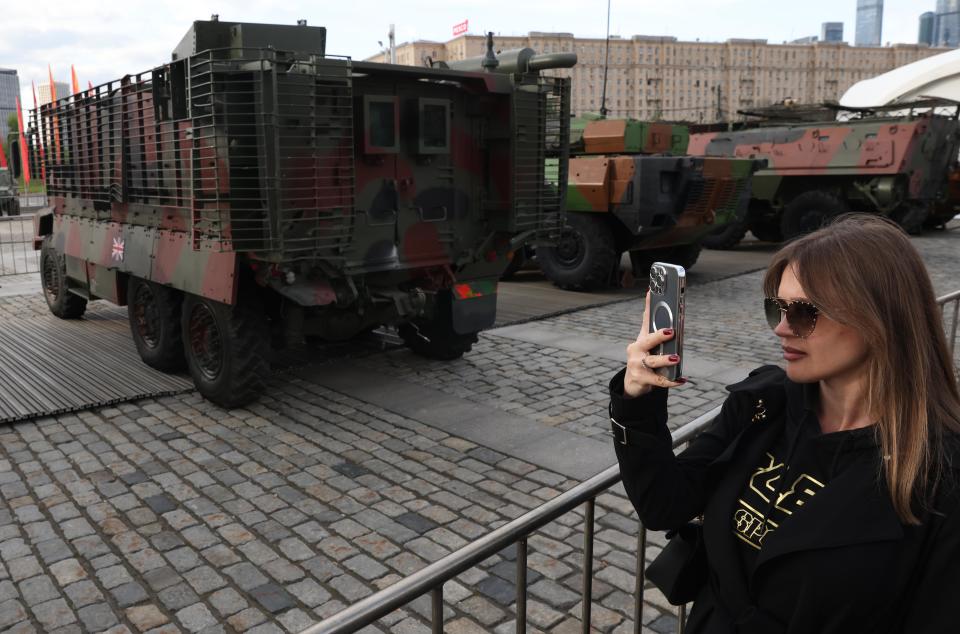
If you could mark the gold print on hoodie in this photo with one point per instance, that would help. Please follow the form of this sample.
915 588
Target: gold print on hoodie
748 519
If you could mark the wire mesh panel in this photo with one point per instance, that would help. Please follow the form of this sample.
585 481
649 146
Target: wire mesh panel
17 255
542 127
272 154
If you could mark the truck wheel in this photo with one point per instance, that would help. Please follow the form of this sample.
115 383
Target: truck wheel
808 212
684 255
53 277
226 350
14 207
911 218
766 230
434 340
725 237
585 255
154 313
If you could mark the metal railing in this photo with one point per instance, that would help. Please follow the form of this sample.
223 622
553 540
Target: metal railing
17 255
431 578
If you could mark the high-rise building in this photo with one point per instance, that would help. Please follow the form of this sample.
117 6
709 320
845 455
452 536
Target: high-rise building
9 91
43 92
947 24
869 22
928 23
831 32
654 77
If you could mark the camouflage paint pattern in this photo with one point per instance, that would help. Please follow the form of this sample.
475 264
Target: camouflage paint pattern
333 182
914 150
660 200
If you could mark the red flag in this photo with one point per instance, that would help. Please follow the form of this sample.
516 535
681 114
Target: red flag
3 157
24 163
76 84
89 85
56 120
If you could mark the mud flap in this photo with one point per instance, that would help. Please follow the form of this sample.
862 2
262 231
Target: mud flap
473 306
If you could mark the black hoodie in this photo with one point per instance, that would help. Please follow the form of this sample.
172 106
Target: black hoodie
831 556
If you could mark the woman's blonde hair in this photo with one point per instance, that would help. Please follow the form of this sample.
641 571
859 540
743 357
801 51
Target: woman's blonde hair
864 272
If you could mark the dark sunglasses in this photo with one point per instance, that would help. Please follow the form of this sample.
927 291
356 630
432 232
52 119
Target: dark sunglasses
801 315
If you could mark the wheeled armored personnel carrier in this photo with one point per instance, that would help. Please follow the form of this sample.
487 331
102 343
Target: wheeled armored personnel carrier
255 189
892 161
631 188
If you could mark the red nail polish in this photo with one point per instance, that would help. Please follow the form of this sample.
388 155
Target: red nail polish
681 380
674 358
668 331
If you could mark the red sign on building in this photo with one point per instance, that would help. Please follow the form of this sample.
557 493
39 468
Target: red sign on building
460 29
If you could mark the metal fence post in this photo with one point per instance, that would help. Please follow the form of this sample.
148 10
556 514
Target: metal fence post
436 600
522 585
640 579
587 596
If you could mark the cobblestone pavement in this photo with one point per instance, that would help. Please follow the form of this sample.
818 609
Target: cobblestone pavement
171 514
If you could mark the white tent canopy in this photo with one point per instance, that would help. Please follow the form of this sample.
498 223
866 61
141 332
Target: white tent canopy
936 77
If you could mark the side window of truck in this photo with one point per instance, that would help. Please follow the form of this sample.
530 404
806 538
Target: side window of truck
434 126
382 121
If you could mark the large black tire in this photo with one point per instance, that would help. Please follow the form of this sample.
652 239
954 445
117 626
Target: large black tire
726 236
911 218
808 212
226 350
767 230
53 278
155 323
435 340
585 255
684 255
13 207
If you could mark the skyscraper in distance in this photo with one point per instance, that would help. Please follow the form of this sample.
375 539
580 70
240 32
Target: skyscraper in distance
947 24
831 32
927 22
9 91
869 22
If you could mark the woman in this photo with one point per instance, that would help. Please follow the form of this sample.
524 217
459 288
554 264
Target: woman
829 490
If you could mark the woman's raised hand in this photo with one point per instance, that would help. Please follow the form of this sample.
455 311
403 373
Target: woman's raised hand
641 375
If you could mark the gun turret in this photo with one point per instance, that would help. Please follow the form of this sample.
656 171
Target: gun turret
518 60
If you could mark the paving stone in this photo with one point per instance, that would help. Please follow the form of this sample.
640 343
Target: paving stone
204 579
37 590
161 503
68 571
272 597
11 612
53 614
227 601
128 594
196 617
83 593
246 619
146 617
245 576
97 617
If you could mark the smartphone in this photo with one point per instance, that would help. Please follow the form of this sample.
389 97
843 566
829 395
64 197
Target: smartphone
667 285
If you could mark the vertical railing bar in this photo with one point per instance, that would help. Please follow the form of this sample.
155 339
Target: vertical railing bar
522 585
436 597
587 596
640 578
681 618
953 329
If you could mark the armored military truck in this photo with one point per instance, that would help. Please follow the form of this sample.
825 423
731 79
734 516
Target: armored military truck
9 201
891 161
631 188
255 190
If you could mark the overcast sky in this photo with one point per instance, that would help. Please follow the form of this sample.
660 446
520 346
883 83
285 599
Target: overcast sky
108 39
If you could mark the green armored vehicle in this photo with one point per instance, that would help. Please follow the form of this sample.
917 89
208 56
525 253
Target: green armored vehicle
9 201
631 189
257 190
891 161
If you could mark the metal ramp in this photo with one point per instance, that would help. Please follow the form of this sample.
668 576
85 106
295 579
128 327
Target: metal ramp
52 366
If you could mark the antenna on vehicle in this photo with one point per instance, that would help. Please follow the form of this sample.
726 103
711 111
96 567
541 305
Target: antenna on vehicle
606 63
490 60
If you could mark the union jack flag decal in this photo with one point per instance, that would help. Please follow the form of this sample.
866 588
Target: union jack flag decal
117 251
